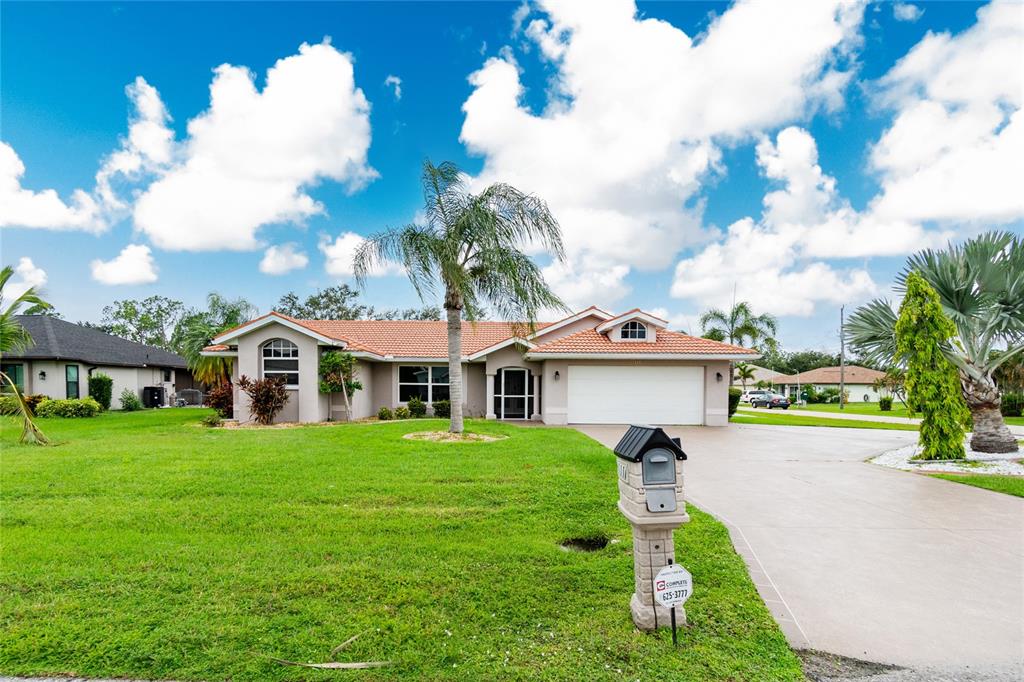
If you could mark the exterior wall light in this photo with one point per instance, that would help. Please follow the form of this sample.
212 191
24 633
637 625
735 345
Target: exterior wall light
557 375
718 377
42 374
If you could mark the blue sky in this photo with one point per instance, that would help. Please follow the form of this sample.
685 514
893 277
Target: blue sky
647 145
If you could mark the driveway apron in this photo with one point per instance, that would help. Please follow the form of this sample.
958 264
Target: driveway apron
857 559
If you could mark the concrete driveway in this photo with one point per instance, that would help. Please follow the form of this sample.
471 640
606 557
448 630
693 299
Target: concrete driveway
860 560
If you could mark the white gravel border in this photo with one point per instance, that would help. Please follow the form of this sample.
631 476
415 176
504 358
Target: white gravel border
976 462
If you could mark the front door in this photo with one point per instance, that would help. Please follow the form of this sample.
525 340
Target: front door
514 393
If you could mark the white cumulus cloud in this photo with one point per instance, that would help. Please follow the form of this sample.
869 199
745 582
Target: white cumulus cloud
637 111
955 150
282 259
395 83
905 11
134 265
340 252
26 275
21 207
250 158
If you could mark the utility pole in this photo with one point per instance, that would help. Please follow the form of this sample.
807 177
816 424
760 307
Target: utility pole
842 356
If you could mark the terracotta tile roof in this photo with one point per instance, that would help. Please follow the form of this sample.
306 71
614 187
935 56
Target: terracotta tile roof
855 374
667 342
216 347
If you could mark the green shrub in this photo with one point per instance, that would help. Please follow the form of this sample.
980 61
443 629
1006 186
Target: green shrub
885 404
73 408
33 400
385 414
130 401
212 421
101 388
402 413
8 404
1012 404
442 408
417 408
267 397
734 400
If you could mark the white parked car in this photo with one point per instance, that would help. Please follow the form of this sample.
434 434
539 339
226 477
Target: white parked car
749 396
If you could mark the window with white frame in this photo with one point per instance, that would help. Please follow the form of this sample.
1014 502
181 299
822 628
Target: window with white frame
281 359
634 330
428 383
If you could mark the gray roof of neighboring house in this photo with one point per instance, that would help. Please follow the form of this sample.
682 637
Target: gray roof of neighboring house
57 339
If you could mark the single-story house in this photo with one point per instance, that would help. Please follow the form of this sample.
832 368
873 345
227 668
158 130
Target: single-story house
857 380
589 368
64 355
760 374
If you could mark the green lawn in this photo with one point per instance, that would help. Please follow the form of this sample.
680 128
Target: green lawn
788 418
898 410
1011 485
147 546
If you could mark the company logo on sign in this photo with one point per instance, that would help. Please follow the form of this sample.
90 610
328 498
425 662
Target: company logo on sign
672 586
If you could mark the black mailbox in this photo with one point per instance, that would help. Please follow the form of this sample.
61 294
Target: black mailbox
639 440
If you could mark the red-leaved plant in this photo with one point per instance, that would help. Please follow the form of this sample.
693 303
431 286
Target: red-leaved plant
267 397
221 398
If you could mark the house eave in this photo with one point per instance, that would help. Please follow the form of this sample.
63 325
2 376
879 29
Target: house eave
641 356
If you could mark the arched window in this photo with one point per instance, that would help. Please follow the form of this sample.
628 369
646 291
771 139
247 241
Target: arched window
634 330
281 359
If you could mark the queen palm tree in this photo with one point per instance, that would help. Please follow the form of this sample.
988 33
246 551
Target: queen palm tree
744 373
469 244
15 338
739 326
981 287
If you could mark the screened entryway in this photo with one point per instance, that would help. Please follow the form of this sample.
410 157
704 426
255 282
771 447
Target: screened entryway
513 393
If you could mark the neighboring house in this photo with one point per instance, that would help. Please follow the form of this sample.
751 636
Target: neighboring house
857 380
64 355
760 374
589 368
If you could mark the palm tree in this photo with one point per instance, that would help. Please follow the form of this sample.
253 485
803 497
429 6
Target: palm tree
744 373
198 328
981 287
740 325
15 338
470 245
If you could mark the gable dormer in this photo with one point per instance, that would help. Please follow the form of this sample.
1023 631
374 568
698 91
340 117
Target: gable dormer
636 326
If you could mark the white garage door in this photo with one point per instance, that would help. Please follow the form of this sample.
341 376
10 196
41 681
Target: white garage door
620 394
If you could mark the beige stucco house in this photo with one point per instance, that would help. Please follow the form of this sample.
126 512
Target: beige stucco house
589 368
858 382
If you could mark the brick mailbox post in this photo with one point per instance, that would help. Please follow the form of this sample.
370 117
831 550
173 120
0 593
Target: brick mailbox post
651 497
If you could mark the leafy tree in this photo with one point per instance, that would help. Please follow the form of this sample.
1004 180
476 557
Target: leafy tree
43 309
801 361
744 373
894 382
470 246
151 320
341 302
14 338
932 385
739 325
337 375
980 285
197 329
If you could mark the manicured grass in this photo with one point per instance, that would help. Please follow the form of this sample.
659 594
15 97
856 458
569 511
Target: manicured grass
1011 485
147 546
786 418
898 410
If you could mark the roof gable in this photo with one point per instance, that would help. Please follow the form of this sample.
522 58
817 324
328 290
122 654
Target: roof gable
634 314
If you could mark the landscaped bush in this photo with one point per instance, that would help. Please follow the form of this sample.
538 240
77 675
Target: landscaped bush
33 400
385 414
734 400
885 404
9 404
130 401
74 407
212 421
101 389
442 408
417 408
267 397
221 398
1012 404
402 413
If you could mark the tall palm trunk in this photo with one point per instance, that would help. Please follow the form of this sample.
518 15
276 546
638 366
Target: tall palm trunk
990 433
454 311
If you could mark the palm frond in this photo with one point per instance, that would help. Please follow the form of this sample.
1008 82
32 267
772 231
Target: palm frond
30 433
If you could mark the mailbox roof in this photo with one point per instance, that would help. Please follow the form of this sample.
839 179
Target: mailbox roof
640 438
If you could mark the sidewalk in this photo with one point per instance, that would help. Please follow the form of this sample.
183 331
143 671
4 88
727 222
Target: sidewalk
1015 430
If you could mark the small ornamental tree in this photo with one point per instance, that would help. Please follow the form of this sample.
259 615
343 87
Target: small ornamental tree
933 386
267 397
101 389
337 375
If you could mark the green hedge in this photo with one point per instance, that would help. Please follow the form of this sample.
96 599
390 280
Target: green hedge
1012 404
442 408
130 401
101 389
734 400
72 407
